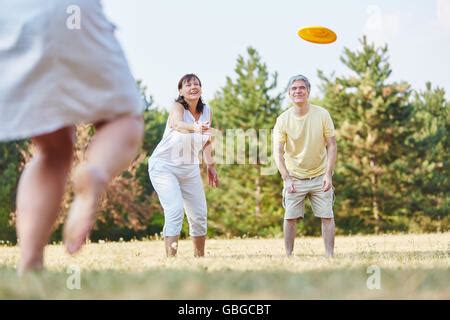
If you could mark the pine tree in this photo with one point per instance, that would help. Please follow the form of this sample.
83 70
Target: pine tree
247 203
12 159
429 161
373 119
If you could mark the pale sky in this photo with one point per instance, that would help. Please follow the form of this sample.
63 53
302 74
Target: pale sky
164 39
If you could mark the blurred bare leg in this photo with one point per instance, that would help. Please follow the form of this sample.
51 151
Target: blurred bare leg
40 193
113 147
328 230
290 231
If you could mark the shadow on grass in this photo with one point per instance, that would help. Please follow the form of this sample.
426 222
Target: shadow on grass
341 283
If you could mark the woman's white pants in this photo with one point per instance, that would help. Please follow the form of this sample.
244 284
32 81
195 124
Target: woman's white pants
180 187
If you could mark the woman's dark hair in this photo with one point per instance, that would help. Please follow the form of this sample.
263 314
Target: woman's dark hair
180 99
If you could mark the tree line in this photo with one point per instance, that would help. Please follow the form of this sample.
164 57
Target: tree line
392 173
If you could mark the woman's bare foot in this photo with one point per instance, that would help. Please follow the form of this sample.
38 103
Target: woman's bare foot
89 184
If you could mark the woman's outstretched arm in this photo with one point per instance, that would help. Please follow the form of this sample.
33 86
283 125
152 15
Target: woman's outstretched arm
176 121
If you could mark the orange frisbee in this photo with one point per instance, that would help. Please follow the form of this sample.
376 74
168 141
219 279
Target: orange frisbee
317 34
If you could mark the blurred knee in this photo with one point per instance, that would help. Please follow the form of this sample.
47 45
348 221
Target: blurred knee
291 221
134 130
56 148
328 221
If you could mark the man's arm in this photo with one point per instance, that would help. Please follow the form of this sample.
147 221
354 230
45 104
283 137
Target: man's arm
281 165
279 161
331 161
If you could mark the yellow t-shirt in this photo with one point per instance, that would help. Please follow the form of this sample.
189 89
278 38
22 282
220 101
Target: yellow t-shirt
304 140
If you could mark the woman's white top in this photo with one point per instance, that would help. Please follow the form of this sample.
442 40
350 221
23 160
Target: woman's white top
182 148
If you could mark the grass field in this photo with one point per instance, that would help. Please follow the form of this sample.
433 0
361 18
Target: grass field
410 267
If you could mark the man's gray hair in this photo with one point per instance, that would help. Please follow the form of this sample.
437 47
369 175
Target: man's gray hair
298 78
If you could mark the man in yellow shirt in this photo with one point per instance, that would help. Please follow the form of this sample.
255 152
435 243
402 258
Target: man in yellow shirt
305 154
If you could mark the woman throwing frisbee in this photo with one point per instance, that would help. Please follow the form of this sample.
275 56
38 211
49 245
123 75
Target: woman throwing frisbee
174 166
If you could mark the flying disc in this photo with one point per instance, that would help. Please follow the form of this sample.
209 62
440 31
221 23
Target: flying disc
317 34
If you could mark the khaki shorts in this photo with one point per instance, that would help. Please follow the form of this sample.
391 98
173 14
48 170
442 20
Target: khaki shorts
321 202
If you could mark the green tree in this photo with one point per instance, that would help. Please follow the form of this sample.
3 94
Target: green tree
429 161
373 117
12 159
247 202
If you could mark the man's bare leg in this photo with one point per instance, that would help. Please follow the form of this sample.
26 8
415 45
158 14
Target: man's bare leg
328 230
290 231
40 193
113 147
